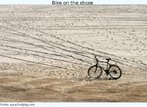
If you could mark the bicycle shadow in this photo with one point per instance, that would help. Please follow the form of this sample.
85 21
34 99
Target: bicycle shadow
97 79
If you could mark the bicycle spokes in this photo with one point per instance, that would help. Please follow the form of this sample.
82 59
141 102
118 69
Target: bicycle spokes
115 72
94 72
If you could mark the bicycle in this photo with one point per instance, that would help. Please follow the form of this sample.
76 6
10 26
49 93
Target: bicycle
96 70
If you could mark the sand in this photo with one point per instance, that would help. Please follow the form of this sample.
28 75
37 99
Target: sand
45 52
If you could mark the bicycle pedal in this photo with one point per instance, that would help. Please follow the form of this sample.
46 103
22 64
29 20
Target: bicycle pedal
110 78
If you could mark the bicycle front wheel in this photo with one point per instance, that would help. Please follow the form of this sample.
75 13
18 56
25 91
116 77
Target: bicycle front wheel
94 72
115 72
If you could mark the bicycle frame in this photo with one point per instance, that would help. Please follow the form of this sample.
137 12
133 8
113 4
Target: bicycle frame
107 66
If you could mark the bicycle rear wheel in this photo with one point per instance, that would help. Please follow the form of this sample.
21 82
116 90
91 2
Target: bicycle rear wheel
94 72
115 72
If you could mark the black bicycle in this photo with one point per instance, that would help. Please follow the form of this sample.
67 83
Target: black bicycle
96 70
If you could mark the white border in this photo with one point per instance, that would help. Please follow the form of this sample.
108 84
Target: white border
78 104
22 104
94 1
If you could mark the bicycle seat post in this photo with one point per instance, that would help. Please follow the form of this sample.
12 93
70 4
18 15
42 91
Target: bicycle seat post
108 59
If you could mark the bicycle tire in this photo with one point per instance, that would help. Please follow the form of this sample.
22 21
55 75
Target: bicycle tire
115 72
94 72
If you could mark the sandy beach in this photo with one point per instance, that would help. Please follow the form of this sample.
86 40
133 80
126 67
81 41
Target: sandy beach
45 52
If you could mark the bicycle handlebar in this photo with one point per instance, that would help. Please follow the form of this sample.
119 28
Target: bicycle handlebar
96 59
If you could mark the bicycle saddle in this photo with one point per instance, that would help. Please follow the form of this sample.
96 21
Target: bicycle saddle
108 59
